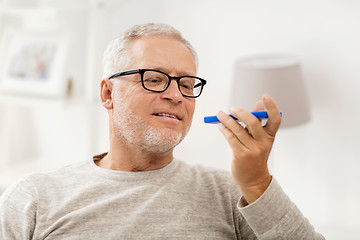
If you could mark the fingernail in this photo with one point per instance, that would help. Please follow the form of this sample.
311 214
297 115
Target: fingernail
221 113
266 97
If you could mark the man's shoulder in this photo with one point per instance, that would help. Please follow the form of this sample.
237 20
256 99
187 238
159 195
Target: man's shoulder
64 171
35 180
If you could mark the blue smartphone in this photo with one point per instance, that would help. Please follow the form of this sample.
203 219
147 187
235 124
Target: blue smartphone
260 115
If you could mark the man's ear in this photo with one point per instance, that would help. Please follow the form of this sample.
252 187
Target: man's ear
106 88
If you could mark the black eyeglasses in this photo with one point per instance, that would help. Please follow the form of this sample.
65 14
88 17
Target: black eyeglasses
157 81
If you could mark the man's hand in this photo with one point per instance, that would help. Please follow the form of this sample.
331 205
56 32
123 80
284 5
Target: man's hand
251 146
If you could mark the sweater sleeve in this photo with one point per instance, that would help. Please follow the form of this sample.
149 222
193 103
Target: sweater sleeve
274 216
18 211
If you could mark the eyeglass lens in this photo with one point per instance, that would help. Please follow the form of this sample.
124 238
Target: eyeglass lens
157 81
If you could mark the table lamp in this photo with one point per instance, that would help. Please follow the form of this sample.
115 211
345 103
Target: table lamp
279 76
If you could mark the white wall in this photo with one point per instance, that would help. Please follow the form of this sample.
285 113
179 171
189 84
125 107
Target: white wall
317 163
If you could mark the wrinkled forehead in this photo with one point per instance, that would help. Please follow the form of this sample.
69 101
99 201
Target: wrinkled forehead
161 51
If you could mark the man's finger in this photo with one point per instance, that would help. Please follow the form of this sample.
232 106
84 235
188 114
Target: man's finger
236 129
259 106
252 123
231 138
274 121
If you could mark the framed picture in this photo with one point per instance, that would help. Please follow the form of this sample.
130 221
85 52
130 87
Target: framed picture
33 63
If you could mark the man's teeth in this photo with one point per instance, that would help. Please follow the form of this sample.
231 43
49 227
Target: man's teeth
167 115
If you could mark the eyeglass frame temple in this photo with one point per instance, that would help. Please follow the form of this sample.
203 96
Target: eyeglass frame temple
125 73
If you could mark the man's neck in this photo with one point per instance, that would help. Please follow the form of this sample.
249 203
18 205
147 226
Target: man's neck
121 159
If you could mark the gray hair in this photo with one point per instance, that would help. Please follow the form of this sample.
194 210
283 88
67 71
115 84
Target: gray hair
116 55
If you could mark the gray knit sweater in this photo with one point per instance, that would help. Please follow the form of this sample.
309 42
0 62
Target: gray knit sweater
84 201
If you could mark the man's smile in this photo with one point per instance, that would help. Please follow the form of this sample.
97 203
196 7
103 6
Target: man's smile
167 115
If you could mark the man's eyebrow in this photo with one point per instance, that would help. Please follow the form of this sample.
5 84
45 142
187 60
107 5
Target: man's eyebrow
178 74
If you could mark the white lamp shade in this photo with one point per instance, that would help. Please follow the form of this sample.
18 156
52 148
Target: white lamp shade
277 75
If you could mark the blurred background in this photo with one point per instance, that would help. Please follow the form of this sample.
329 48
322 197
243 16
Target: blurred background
50 70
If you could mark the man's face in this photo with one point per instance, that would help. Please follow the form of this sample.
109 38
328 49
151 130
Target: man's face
156 122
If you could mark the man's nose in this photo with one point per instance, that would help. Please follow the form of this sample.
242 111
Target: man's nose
172 92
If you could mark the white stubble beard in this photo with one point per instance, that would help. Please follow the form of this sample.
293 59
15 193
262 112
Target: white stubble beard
132 129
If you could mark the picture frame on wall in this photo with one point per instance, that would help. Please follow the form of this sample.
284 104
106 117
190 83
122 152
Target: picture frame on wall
33 63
